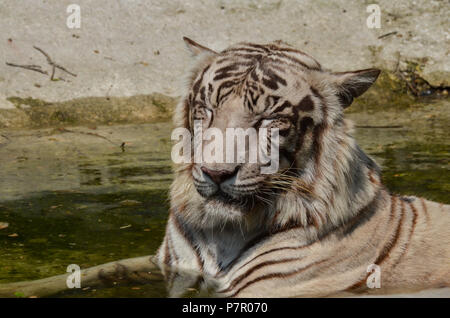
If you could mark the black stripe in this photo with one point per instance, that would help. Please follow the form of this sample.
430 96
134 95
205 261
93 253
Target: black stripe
223 85
196 86
363 216
411 231
296 61
306 104
276 275
238 279
189 238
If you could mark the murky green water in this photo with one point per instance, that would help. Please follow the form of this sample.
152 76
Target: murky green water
413 162
75 198
110 204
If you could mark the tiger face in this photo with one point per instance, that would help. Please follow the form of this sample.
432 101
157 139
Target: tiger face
264 86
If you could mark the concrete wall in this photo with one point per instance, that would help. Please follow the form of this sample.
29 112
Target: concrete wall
125 48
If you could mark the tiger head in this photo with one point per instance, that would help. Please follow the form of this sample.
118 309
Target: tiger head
266 86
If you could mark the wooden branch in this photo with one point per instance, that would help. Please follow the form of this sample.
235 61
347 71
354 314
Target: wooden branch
65 130
49 60
37 68
33 67
63 69
53 73
53 64
387 34
132 270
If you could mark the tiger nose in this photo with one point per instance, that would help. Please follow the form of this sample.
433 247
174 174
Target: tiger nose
219 176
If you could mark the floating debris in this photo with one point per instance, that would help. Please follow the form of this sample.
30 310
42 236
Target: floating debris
130 202
125 226
387 34
3 225
192 289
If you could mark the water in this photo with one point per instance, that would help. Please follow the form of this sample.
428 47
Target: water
73 197
78 198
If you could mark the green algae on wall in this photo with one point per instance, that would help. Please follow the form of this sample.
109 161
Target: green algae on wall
387 92
36 113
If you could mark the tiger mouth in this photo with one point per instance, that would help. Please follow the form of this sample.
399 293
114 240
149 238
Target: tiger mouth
225 198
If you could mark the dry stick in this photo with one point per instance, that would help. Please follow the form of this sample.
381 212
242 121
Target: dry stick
32 67
387 34
122 145
132 270
37 68
53 64
53 72
63 69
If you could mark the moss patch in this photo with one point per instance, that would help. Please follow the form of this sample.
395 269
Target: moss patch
388 92
36 113
398 91
27 102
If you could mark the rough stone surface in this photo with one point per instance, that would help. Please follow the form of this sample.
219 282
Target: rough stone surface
126 48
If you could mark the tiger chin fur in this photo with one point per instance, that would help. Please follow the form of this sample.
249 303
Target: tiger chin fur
313 228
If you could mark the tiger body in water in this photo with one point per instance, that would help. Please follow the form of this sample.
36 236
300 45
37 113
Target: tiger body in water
319 224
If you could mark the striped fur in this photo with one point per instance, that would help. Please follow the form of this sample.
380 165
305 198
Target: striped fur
313 228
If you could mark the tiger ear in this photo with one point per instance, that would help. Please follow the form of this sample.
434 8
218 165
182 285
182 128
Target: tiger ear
197 49
353 84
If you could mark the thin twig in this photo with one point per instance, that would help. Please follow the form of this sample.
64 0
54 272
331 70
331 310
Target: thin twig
37 68
49 60
31 67
64 130
53 64
53 72
387 34
63 69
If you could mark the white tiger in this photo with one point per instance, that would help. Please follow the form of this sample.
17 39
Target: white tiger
312 228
